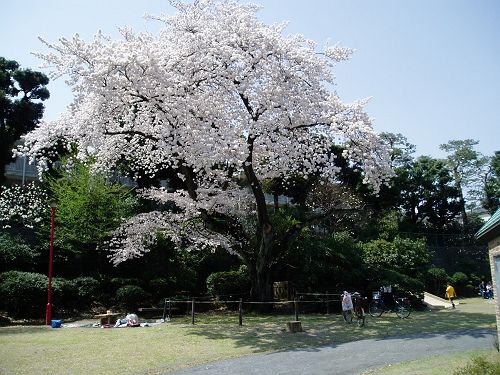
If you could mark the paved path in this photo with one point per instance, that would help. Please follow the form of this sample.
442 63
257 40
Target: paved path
348 358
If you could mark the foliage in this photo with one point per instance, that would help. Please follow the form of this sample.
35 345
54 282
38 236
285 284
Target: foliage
323 264
118 282
90 207
427 193
491 199
402 254
402 284
131 297
23 294
21 93
23 205
459 279
15 253
229 283
469 169
88 290
435 280
214 96
401 149
479 365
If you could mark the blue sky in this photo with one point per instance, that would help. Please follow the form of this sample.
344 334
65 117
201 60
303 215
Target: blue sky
432 68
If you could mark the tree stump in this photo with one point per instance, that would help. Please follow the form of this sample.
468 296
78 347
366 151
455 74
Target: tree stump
294 326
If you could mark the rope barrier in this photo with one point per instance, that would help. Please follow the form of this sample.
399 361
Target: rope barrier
254 302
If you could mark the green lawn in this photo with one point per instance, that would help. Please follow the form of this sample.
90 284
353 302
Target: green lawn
178 344
436 365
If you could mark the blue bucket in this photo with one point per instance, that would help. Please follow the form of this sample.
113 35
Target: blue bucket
55 323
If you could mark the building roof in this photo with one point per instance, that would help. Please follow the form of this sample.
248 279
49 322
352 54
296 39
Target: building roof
490 229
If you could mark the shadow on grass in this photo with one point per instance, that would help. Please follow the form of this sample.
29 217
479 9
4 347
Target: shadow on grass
18 329
263 334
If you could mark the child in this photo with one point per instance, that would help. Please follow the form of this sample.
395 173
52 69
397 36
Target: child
450 294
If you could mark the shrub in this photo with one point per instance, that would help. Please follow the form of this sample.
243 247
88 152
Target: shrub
435 280
64 295
118 282
87 289
480 366
161 287
23 294
228 282
130 297
459 279
15 253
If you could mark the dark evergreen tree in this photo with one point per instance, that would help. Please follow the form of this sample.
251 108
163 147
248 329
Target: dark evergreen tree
491 200
21 94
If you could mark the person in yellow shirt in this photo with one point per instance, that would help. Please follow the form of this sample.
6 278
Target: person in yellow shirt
450 294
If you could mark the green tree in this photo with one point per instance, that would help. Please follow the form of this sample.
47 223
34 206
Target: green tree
491 200
401 149
90 207
468 167
401 254
427 193
21 94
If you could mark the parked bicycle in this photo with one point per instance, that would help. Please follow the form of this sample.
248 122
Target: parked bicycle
358 311
377 307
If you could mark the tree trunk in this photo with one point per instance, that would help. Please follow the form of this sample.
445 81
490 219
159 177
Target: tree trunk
261 275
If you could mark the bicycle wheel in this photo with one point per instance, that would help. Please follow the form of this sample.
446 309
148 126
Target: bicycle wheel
403 311
375 308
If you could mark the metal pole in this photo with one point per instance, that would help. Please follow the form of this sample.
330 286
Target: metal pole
169 309
192 311
48 309
240 308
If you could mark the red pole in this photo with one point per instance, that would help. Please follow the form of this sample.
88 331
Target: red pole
48 310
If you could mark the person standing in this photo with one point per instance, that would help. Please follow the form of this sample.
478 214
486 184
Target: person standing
450 294
347 306
482 289
489 290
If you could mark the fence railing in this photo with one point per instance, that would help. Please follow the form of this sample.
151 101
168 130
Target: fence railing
172 304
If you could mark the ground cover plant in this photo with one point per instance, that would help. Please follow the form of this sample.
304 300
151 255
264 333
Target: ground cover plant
178 344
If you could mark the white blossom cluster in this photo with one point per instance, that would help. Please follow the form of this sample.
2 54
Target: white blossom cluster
133 238
26 205
214 91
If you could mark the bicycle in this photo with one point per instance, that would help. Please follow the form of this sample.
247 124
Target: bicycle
358 310
377 307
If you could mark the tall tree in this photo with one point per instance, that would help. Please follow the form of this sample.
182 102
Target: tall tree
215 95
468 166
401 149
21 94
90 207
491 199
427 193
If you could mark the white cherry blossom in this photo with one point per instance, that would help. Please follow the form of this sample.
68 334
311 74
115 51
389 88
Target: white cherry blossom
216 94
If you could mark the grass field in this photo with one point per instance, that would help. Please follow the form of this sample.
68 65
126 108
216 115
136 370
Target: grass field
436 365
178 344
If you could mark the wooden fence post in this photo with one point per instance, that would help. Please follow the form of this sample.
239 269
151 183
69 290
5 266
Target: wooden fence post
296 308
192 311
327 303
164 309
240 308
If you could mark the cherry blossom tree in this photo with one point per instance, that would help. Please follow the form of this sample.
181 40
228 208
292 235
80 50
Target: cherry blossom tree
215 96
